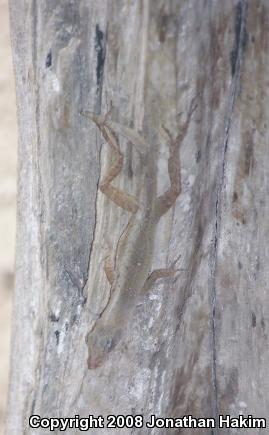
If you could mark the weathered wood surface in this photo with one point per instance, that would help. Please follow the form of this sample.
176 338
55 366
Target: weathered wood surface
197 344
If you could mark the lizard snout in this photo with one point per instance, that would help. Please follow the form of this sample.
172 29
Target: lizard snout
100 343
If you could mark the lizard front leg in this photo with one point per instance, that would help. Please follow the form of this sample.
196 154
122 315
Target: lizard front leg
156 274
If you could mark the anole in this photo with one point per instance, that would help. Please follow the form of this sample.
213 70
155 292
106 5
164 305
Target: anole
132 275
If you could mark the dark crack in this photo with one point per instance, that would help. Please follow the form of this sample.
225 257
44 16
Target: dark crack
94 231
241 36
100 48
237 53
48 62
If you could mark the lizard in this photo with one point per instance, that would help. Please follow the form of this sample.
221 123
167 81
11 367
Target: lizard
131 274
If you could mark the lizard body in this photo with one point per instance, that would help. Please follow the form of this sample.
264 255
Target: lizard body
132 275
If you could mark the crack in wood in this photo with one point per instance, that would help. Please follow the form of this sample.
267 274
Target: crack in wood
240 47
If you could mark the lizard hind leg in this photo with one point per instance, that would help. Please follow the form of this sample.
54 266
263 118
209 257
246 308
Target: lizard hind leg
122 199
109 131
165 201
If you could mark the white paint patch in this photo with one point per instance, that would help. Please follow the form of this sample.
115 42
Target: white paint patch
156 313
53 82
161 389
154 297
57 310
138 386
186 203
62 334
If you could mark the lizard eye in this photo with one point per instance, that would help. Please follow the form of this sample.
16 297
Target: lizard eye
108 343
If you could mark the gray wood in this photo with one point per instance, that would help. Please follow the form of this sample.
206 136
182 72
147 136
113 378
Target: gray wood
196 344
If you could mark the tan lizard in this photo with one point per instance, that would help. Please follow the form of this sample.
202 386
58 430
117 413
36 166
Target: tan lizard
132 275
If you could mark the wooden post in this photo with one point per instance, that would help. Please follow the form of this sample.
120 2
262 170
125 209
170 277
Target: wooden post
195 344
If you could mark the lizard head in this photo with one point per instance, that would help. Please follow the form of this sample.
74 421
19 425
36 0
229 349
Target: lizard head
101 341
